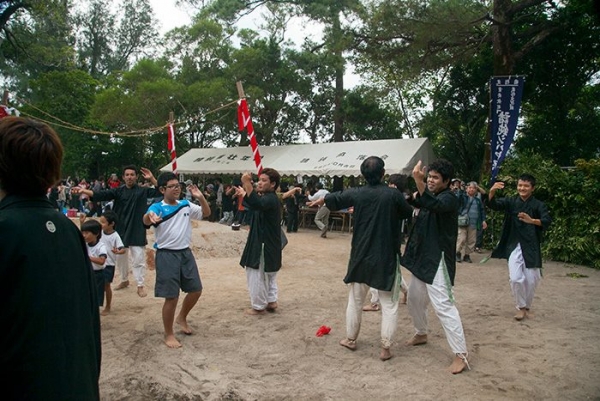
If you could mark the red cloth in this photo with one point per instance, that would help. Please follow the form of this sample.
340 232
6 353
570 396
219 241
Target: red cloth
323 330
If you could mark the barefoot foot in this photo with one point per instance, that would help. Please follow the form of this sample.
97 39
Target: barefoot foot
404 298
385 354
417 339
271 306
521 314
255 312
348 343
184 326
172 342
459 364
122 285
141 292
371 307
105 311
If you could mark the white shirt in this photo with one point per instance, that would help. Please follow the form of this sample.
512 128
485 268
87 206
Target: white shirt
111 241
318 195
174 232
96 251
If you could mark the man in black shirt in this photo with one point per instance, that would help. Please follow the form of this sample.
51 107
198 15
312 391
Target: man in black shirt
130 204
525 219
262 253
378 211
430 255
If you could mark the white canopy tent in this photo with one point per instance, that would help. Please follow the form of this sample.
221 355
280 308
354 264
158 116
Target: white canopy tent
322 159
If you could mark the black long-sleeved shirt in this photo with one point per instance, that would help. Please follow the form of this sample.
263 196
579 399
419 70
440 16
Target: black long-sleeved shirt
433 234
265 229
50 319
376 240
516 232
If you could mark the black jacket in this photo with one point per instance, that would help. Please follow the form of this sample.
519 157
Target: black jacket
265 229
378 211
516 232
130 206
433 234
50 321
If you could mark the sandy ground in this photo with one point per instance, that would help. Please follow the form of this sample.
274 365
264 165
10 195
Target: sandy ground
555 355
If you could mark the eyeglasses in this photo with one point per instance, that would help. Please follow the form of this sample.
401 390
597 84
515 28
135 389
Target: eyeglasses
172 186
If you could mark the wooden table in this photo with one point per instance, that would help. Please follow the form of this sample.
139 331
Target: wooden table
307 217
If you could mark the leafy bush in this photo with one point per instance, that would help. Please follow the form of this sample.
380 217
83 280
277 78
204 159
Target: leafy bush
573 198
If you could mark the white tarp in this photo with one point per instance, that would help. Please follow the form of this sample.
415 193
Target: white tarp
330 159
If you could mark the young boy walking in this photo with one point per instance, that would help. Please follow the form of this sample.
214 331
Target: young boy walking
175 264
92 232
114 246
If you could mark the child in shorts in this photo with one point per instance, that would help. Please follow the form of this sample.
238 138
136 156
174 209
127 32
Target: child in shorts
175 264
92 232
114 247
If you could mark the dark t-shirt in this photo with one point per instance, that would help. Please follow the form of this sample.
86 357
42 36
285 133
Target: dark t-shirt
50 321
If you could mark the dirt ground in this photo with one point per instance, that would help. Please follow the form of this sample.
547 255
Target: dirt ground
555 355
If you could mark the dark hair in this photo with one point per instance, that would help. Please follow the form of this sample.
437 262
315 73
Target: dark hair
130 167
110 216
400 181
528 177
443 167
372 168
319 185
30 156
165 177
92 226
273 176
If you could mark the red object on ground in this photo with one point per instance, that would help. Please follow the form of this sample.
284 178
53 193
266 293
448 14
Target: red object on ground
323 330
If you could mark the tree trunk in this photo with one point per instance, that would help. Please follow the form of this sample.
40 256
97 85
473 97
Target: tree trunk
338 120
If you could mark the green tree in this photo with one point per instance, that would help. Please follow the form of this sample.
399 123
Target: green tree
69 97
36 38
457 123
562 93
366 119
140 102
107 43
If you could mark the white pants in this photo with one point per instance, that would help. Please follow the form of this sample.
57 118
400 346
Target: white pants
389 313
439 293
262 287
138 264
375 292
374 295
523 281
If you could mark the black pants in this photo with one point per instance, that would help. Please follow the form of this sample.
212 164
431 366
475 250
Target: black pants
292 221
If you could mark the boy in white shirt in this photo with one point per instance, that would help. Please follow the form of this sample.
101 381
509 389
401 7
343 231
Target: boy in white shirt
114 247
175 264
92 232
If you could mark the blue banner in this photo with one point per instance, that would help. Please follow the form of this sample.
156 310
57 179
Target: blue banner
506 102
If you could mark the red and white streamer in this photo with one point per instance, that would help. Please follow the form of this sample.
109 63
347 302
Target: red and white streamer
171 144
6 111
244 121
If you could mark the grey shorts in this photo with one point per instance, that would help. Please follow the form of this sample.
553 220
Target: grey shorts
176 270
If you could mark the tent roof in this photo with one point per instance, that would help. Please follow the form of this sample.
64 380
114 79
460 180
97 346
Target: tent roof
332 159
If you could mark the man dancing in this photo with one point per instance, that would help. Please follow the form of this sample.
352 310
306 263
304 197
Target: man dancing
430 256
